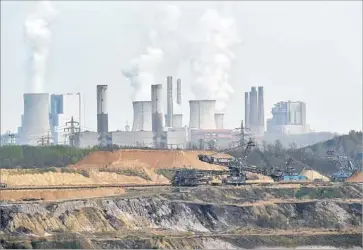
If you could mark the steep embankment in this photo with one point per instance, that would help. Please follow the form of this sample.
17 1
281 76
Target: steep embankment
191 218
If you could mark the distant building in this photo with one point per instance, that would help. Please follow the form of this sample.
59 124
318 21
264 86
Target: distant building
63 108
288 118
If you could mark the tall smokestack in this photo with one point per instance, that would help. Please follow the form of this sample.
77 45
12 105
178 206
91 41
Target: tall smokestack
102 116
218 117
247 110
202 114
169 82
156 111
253 109
142 116
178 91
261 111
36 123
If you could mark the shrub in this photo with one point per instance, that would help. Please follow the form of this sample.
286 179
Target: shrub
68 170
83 172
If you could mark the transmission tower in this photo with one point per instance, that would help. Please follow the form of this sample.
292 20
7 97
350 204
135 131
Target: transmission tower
11 138
45 140
72 129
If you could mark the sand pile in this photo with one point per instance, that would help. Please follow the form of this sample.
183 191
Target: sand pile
312 175
259 177
59 194
147 159
357 177
12 178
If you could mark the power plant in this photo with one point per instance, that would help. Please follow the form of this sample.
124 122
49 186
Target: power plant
58 120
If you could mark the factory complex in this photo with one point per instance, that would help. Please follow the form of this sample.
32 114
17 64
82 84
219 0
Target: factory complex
56 119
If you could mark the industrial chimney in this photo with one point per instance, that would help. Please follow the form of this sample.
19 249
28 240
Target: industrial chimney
156 110
102 116
169 82
178 91
218 117
36 123
247 110
261 111
202 114
142 116
253 110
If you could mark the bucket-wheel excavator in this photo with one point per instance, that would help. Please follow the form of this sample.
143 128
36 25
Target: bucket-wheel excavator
346 166
233 175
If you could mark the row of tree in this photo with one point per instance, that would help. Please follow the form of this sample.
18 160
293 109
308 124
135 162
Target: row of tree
13 156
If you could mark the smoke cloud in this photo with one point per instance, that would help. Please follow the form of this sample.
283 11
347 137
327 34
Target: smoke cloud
38 35
211 66
162 56
141 73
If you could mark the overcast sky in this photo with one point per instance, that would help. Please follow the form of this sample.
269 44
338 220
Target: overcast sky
300 51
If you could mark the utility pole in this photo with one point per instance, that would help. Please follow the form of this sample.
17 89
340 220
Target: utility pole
72 129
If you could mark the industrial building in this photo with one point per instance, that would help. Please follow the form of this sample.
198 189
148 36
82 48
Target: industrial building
58 121
63 108
288 118
254 111
151 128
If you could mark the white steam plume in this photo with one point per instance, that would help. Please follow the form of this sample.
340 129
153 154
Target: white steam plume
141 73
163 54
211 67
38 34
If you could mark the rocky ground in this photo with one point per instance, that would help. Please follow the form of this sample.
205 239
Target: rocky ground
202 217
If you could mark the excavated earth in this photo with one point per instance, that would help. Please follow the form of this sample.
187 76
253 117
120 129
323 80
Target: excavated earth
201 217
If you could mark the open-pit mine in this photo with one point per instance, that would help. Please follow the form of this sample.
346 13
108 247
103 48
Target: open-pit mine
126 199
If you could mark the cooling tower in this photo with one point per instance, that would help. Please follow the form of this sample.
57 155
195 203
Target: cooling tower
36 118
218 117
156 108
169 100
142 116
102 115
178 91
247 110
261 111
177 120
253 122
202 114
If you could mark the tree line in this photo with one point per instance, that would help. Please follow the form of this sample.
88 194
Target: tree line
14 156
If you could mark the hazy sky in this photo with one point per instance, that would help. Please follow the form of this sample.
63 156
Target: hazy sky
300 51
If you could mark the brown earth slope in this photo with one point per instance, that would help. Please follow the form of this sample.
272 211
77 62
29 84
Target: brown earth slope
154 159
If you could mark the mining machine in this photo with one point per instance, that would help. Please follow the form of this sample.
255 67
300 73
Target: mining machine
346 166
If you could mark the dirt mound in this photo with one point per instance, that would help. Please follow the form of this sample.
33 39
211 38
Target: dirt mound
258 177
312 175
357 177
52 195
147 159
12 178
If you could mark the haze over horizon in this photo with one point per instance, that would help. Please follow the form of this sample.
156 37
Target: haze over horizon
299 51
